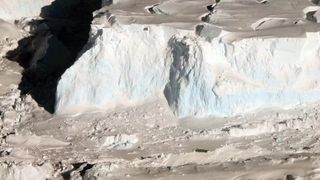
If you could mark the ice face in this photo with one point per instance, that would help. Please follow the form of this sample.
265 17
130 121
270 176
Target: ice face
114 68
130 64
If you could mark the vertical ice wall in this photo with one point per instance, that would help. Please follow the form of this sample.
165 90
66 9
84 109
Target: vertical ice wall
123 65
131 64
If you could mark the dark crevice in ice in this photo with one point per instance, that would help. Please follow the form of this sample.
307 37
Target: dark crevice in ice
53 47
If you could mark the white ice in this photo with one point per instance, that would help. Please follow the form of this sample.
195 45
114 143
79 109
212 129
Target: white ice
130 64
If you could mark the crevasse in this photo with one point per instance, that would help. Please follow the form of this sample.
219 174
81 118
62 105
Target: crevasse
130 64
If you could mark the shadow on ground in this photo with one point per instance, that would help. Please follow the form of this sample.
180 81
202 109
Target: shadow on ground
52 47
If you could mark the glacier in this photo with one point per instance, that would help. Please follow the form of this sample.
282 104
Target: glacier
131 64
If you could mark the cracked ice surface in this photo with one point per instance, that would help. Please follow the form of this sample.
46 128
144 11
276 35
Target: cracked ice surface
129 64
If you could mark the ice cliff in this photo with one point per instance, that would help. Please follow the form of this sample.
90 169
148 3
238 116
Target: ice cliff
199 75
130 64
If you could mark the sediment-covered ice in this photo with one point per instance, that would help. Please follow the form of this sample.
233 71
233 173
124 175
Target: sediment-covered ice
8 31
24 171
11 10
129 64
